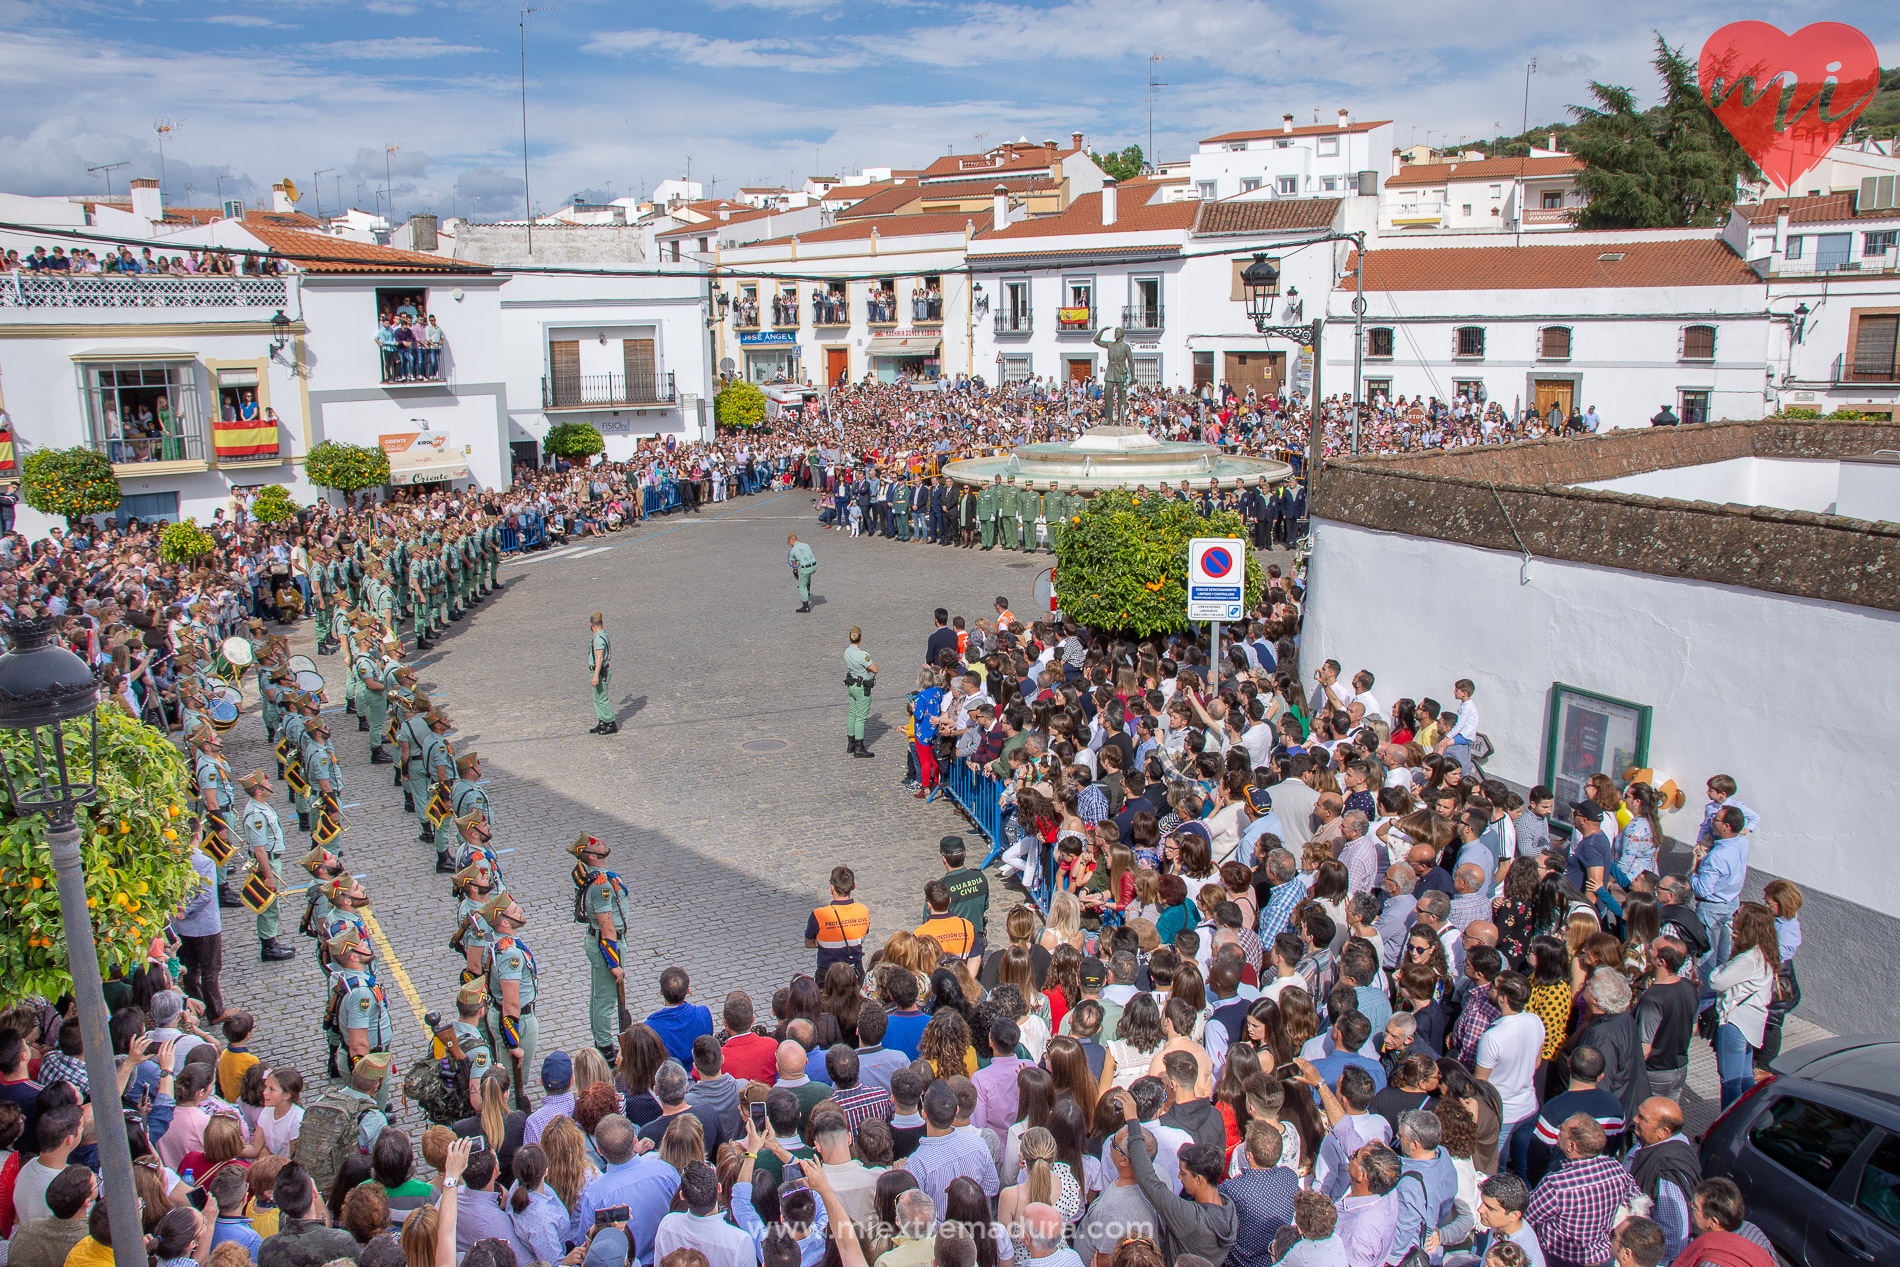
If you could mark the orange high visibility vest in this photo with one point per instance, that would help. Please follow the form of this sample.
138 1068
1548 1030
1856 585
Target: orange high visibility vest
954 933
842 925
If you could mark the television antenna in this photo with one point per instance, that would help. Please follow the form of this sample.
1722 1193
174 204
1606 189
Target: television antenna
107 169
164 126
1153 84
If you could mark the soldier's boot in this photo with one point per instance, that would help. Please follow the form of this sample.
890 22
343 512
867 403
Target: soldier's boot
427 834
349 706
408 802
608 1052
332 1067
362 721
444 865
850 746
377 756
303 821
274 950
863 751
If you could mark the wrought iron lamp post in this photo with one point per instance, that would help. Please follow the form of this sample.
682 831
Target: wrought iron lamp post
1262 282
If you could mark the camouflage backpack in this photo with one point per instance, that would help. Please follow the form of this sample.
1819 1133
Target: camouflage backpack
328 1136
438 1087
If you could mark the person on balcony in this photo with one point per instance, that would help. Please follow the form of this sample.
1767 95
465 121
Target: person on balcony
432 349
386 344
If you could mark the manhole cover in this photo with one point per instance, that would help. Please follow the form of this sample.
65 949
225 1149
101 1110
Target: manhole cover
761 746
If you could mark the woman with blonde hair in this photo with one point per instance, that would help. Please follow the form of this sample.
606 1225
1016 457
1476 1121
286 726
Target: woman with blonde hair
1044 1183
418 1237
568 1168
1065 924
590 1067
684 1141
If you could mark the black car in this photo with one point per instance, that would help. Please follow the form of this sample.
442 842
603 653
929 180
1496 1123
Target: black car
1815 1150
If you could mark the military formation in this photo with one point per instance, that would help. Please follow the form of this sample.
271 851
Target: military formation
364 592
910 507
1021 518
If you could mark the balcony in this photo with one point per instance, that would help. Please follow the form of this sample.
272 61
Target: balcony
1846 372
785 317
28 290
423 365
1075 319
1832 262
1418 215
606 391
831 311
1142 317
926 312
1541 217
1014 322
141 451
880 312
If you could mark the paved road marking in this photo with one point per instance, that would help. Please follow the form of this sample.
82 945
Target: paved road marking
596 550
396 970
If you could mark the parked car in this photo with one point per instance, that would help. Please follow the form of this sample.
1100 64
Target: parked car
1815 1150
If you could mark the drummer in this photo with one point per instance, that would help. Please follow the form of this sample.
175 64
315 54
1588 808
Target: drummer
272 688
264 839
304 708
438 768
216 797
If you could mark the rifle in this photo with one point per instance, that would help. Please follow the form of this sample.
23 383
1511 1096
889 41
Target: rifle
620 988
521 1088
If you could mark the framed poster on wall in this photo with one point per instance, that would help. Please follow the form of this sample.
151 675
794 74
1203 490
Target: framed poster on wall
1591 734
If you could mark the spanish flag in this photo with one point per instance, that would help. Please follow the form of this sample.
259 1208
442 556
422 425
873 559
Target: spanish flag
7 465
238 438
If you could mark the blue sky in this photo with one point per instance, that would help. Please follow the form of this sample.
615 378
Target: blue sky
760 91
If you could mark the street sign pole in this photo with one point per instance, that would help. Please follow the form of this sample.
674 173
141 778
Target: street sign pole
1213 652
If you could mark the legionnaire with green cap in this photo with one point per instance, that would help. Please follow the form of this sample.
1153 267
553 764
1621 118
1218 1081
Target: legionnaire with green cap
475 841
475 885
264 838
803 562
468 1031
323 866
512 1028
600 668
986 508
419 595
600 903
466 793
372 674
414 738
860 675
1031 505
438 770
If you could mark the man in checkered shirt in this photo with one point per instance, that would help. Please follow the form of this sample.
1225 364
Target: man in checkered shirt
1573 1210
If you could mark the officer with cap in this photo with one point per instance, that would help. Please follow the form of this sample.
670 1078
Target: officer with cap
511 989
1009 509
600 903
357 1019
433 763
296 733
264 838
364 1096
986 508
600 670
347 898
469 1034
475 841
466 793
799 557
321 766
216 797
373 695
323 866
969 888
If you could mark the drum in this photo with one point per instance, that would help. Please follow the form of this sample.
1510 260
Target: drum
301 664
223 714
231 695
309 681
237 652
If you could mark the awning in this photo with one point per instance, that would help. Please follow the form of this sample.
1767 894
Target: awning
912 346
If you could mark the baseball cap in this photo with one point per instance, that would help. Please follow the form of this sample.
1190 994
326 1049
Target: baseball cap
949 846
1094 973
1587 809
557 1070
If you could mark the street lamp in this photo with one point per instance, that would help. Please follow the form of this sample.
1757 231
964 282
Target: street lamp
1262 283
280 330
42 687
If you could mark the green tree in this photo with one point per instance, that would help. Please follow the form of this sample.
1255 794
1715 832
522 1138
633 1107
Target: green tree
1122 563
1705 159
1625 171
74 482
739 404
346 467
1123 166
273 505
184 541
573 440
136 843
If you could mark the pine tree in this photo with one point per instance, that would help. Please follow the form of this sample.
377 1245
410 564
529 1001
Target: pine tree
1705 159
1625 172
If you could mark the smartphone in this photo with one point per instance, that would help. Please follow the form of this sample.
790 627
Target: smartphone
612 1214
758 1114
794 1170
477 1144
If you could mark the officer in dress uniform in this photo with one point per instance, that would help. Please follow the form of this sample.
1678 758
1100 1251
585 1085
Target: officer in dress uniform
512 1028
323 587
475 840
900 507
474 936
1032 510
986 510
803 562
438 771
600 903
599 665
264 838
371 675
357 1018
860 675
1009 512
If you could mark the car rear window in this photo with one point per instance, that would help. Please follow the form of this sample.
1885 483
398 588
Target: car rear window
1812 1140
1879 1197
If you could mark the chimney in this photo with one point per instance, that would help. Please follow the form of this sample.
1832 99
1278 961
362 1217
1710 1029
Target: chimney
1075 140
1345 120
1286 123
1553 141
1108 201
725 213
999 208
280 198
148 202
1781 230
422 230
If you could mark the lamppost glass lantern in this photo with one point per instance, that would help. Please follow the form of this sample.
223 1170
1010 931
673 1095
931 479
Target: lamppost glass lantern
1262 281
43 686
280 328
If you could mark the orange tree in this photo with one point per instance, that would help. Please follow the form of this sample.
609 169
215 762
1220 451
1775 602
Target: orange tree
1122 563
136 843
74 482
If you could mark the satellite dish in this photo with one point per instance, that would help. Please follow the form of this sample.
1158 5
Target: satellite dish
290 189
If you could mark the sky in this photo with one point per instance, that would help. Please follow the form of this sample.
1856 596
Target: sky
761 92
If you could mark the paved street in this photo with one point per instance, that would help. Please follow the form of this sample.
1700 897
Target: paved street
727 795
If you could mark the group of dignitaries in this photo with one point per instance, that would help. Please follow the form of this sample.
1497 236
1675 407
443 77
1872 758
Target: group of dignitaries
909 506
363 591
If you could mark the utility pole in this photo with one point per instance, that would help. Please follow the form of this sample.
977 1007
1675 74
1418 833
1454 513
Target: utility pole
1529 70
318 186
107 169
1152 85
527 202
389 185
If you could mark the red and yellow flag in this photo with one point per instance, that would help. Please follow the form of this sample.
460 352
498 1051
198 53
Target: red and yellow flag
7 464
237 438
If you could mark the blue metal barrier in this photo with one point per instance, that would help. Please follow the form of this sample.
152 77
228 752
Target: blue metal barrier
510 538
981 797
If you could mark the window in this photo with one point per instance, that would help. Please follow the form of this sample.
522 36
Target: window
1015 369
1793 250
1203 369
1329 183
703 245
1878 244
1811 1140
1239 292
1234 146
1466 208
1497 191
673 251
1553 343
1468 341
1379 341
1832 250
1289 184
1078 304
1875 338
148 508
1471 389
1328 147
1553 200
1147 371
1250 183
1377 387
144 411
1207 189
1692 406
1698 343
1282 143
1879 1195
402 301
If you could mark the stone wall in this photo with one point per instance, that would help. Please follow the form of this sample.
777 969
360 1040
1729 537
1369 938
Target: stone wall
1518 498
506 244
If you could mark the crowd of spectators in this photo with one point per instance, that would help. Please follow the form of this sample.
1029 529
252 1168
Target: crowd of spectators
122 262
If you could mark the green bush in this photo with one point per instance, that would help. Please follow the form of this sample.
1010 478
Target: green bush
74 482
184 541
273 505
136 847
1801 414
346 467
573 440
1122 563
739 404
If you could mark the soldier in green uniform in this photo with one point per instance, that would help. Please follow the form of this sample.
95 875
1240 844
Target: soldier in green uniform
900 506
323 590
986 507
373 674
452 574
803 562
860 675
439 582
273 688
600 903
469 1034
474 937
296 735
475 841
600 670
264 838
466 793
415 739
438 770
1009 509
512 1028
1033 509
323 866
216 797
322 769
418 584
385 605
471 564
357 1018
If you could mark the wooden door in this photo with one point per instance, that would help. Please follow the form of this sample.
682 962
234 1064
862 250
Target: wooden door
564 371
1081 369
837 363
1263 371
637 359
1553 391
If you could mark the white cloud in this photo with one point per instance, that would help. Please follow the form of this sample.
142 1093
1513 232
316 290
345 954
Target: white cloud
698 50
244 19
395 48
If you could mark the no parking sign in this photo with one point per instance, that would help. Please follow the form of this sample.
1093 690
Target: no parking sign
1217 578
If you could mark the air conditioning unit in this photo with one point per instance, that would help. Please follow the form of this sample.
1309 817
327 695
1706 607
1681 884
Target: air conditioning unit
234 208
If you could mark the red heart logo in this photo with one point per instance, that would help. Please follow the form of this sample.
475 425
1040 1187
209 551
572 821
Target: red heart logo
1788 98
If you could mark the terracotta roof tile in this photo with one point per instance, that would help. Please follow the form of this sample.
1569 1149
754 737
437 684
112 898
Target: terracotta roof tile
710 228
1826 208
1590 266
1270 215
886 227
1084 215
320 253
892 199
1428 174
1020 158
1318 129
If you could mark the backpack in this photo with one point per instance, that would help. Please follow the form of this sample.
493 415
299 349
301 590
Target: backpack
327 1137
434 1086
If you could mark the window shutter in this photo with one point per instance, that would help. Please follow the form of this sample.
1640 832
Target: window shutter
1875 342
637 357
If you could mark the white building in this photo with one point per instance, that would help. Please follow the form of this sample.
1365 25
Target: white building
1624 322
1288 161
1491 195
1861 165
1833 275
